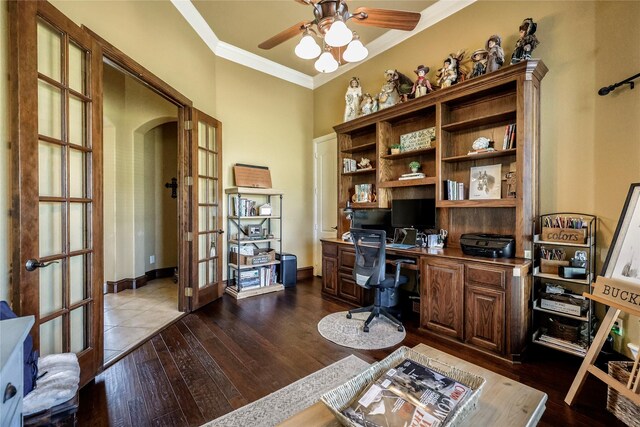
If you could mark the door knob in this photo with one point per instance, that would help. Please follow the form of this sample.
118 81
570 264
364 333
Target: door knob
9 392
32 264
335 228
220 231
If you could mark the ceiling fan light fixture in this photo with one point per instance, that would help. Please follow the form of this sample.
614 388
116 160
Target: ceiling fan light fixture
355 51
326 63
307 48
338 35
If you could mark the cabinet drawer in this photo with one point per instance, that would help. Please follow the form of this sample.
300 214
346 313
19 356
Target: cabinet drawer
11 374
348 289
486 275
347 259
329 249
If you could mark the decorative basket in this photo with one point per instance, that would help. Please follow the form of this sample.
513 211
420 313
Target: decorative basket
565 329
624 409
550 266
343 396
564 303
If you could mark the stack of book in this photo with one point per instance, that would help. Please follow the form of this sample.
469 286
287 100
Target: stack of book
416 175
256 278
243 207
349 165
410 394
509 137
453 190
576 347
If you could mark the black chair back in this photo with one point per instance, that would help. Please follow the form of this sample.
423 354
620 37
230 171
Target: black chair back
369 268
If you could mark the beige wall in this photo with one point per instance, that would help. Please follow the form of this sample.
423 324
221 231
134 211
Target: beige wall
267 121
590 149
130 111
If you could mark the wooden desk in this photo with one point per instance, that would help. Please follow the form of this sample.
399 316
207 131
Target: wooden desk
503 401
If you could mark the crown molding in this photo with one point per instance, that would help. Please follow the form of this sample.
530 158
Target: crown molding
430 16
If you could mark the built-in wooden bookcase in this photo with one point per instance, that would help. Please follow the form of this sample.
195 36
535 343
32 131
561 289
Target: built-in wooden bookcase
480 107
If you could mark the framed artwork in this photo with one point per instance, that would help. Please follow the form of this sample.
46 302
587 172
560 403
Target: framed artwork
623 259
485 182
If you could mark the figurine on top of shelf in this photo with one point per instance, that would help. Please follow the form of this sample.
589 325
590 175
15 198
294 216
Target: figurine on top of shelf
368 105
495 59
450 74
526 43
422 85
479 58
389 95
405 86
352 99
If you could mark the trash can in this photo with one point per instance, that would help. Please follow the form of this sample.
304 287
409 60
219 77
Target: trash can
287 269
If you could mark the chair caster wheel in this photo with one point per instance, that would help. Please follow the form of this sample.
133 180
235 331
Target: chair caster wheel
365 329
400 329
348 315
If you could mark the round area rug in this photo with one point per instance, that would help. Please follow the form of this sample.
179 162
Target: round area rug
348 332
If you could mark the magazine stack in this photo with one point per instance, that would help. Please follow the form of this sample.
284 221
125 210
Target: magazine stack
406 388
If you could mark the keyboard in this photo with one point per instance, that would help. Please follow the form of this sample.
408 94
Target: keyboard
399 246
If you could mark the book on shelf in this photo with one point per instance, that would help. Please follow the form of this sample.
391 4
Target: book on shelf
349 165
417 175
509 137
482 150
256 277
574 346
409 394
243 207
453 190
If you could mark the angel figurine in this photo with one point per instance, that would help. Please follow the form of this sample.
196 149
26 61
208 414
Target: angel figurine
369 104
352 99
422 85
526 43
495 58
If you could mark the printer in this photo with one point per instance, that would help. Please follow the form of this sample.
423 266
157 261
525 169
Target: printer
488 245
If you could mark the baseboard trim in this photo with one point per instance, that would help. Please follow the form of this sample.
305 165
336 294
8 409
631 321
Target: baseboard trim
160 273
122 284
304 273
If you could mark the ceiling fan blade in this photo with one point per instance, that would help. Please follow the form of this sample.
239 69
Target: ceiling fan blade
284 35
306 2
386 18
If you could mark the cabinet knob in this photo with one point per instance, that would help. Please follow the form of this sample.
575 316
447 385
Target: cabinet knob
9 392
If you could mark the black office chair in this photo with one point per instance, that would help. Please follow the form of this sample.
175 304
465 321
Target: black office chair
369 272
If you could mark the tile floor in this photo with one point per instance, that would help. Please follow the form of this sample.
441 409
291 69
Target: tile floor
127 319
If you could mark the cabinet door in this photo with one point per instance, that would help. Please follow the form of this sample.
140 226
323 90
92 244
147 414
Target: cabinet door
348 289
329 275
442 296
484 318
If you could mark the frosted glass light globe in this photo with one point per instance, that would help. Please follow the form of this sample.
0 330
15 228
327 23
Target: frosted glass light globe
307 48
338 35
355 51
326 63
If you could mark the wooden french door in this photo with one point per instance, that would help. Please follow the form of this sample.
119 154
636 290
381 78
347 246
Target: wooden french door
57 265
206 154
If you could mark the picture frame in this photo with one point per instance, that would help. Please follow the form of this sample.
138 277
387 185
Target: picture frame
623 259
485 182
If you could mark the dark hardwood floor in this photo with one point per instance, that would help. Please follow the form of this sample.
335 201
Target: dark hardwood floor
230 353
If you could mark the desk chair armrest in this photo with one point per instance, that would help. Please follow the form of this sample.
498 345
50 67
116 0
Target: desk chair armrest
398 263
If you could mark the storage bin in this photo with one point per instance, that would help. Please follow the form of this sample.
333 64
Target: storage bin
550 266
624 409
261 257
565 329
564 303
564 235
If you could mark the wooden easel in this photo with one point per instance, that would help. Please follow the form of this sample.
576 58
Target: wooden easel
602 294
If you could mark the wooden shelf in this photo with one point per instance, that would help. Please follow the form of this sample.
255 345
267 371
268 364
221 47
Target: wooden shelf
364 147
536 306
480 121
430 180
360 172
248 267
255 217
536 240
472 157
247 241
536 273
231 290
496 203
364 205
409 153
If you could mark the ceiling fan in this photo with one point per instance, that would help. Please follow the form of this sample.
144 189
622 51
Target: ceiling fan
329 24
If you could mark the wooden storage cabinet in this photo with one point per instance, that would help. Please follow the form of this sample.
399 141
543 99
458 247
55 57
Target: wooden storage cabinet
330 275
337 274
442 291
485 318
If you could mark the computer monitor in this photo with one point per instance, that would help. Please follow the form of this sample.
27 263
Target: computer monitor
373 219
414 213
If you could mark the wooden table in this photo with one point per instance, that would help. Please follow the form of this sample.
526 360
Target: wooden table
503 401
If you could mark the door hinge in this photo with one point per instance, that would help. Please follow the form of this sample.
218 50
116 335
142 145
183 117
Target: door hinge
188 180
188 292
189 236
188 125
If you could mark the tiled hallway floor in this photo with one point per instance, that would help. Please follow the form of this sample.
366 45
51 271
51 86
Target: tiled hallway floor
135 314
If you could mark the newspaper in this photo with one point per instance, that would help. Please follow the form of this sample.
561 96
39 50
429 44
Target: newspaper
409 395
